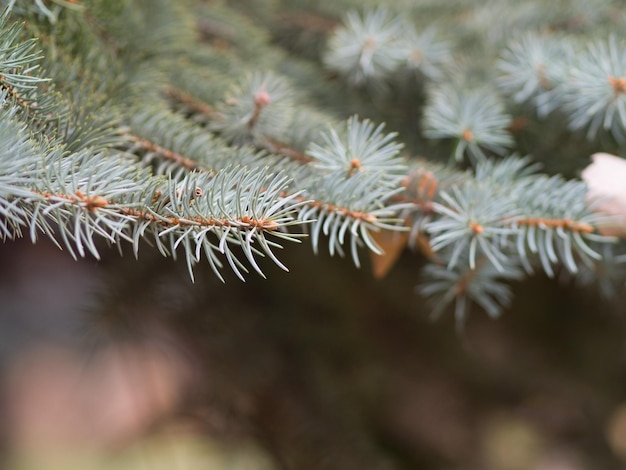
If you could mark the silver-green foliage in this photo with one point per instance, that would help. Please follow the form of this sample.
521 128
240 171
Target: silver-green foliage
150 174
218 156
506 219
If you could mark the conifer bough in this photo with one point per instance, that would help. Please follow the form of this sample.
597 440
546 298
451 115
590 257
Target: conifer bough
120 124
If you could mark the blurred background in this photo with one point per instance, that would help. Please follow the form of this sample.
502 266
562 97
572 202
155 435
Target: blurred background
125 364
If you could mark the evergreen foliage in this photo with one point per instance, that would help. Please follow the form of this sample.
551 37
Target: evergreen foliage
183 124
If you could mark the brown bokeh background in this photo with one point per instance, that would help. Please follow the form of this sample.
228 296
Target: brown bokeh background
126 364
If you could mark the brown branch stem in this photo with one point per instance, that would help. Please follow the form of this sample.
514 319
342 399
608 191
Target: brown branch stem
364 216
245 221
274 146
194 104
466 279
207 111
13 93
93 203
181 160
567 224
193 165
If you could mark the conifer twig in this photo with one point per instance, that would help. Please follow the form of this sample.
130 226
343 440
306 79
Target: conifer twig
182 161
206 110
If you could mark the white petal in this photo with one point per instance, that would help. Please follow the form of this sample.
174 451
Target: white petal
606 179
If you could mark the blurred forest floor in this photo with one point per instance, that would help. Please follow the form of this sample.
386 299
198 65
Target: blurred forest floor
322 367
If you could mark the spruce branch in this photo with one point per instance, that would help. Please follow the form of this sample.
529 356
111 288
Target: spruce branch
425 53
559 226
321 201
499 209
19 64
181 141
361 147
19 162
195 106
279 148
359 141
532 69
269 142
78 197
473 218
475 119
366 49
486 285
238 207
258 107
359 205
177 146
90 195
595 93
152 149
422 187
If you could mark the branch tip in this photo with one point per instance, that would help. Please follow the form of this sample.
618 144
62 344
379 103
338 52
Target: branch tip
618 84
467 135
